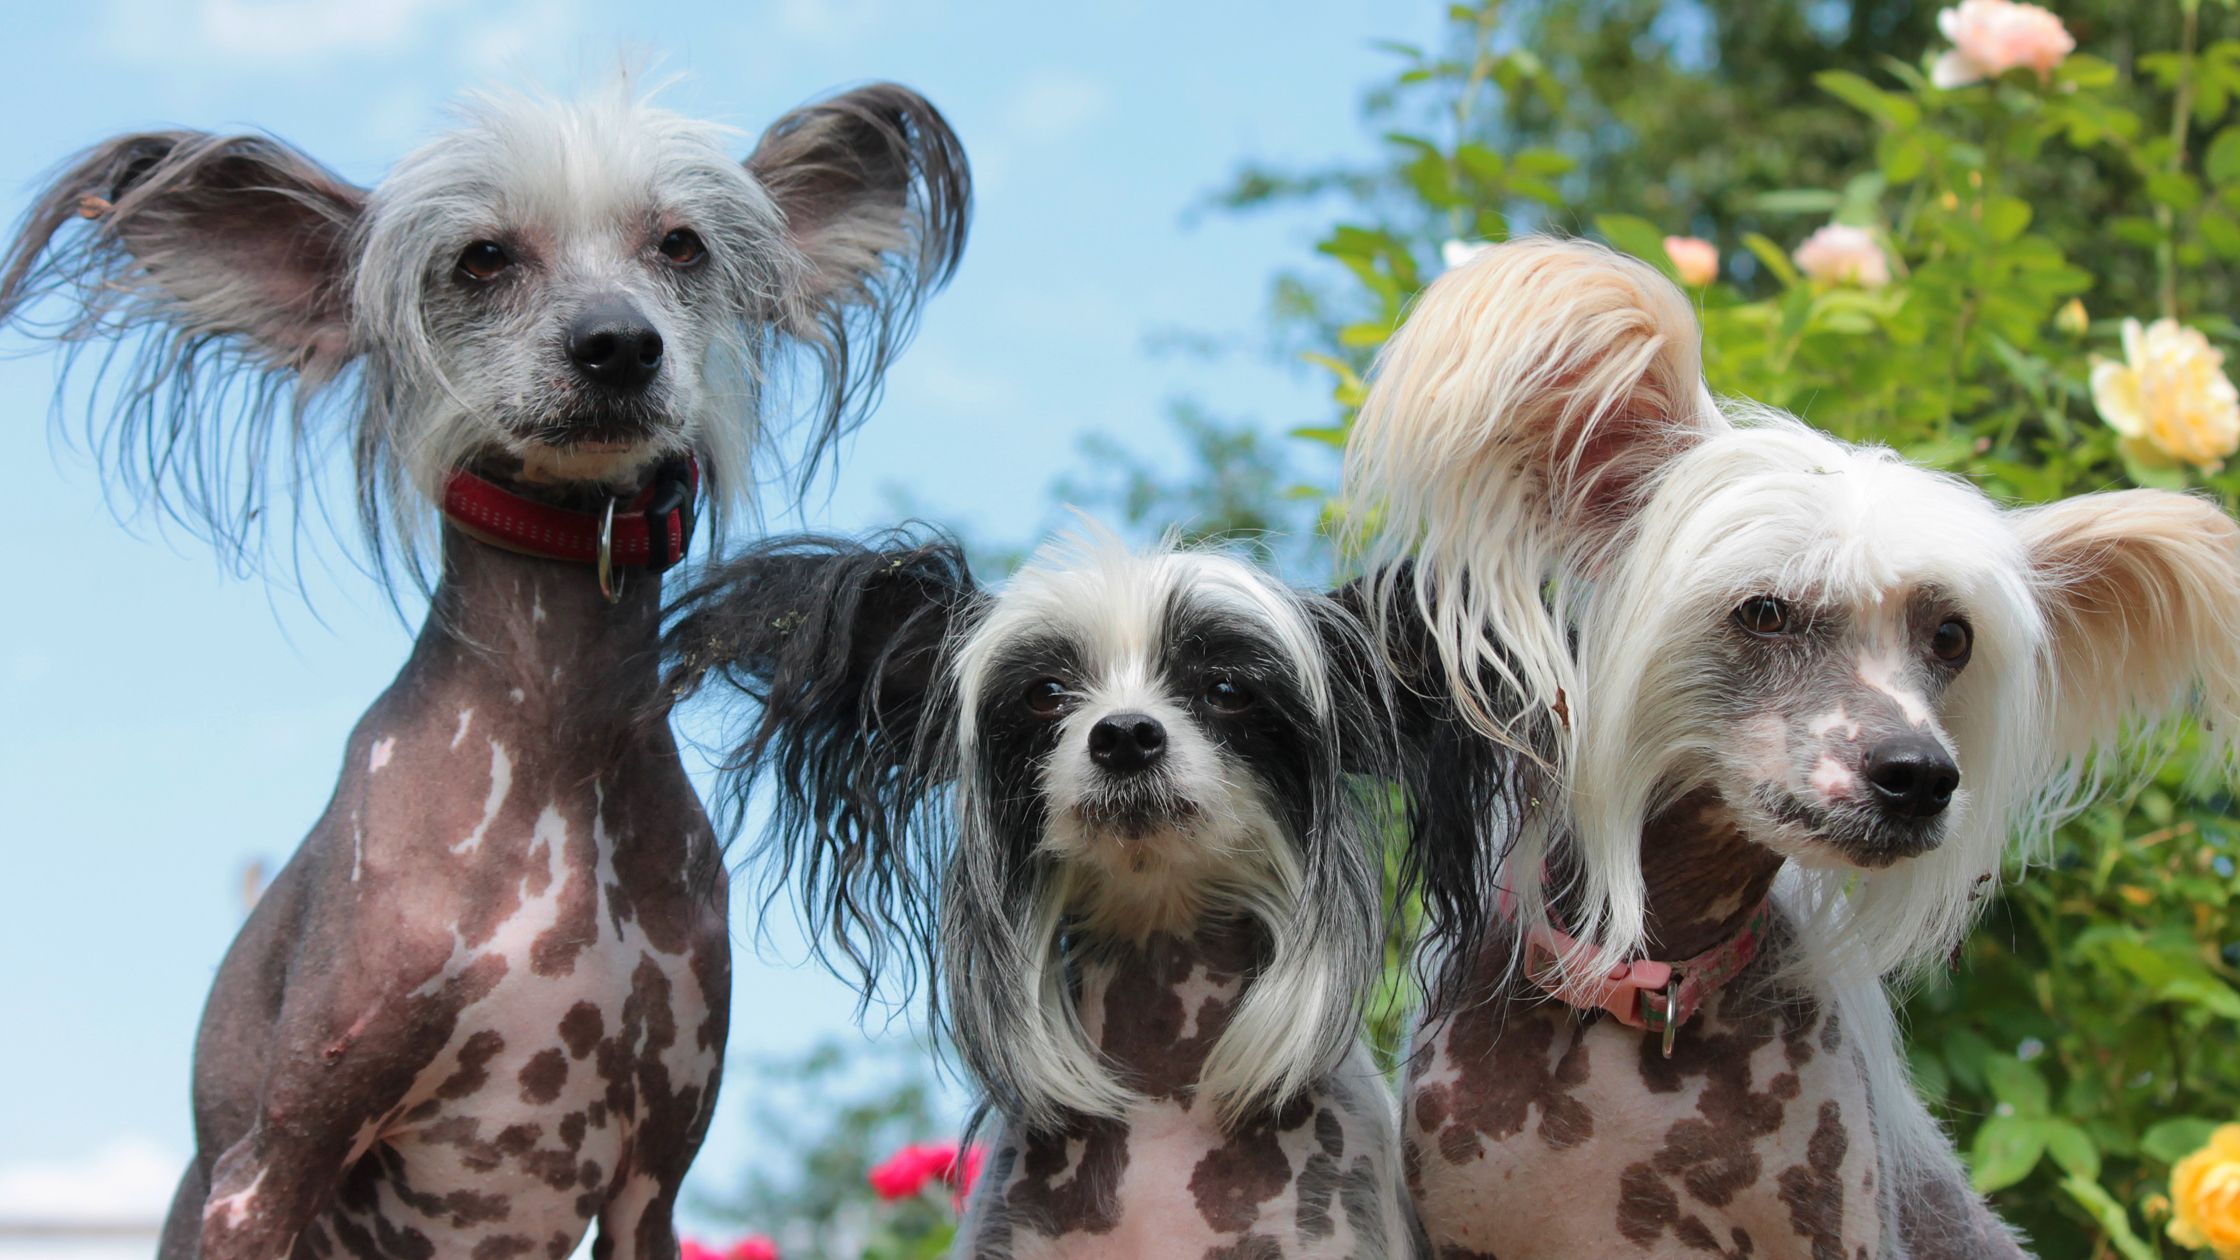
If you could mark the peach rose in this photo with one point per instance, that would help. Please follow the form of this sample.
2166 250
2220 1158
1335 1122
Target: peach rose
1696 260
2169 400
1991 37
1844 255
2205 1196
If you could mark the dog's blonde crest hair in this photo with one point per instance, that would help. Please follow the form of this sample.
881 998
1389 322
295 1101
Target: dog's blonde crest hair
1484 450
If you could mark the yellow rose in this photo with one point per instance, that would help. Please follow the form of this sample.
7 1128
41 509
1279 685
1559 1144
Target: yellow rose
2169 399
2205 1195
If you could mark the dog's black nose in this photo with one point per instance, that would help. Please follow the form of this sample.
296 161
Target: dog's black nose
1912 775
611 344
1125 743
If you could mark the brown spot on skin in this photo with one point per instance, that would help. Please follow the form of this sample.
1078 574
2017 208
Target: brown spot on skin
1249 1247
1318 1177
1508 1069
1084 1202
1234 1179
503 1247
474 1064
1813 1190
1145 1013
559 1246
543 1076
581 1028
1452 1252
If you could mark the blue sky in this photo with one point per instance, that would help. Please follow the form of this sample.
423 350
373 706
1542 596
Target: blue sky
166 723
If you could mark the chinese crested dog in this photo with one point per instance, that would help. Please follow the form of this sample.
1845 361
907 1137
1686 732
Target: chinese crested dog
1789 700
484 1005
1124 781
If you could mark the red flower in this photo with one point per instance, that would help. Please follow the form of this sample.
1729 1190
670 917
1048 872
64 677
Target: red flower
691 1249
907 1171
752 1247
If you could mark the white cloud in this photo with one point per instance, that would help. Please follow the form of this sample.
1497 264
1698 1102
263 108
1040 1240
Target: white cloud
1053 103
125 1183
833 21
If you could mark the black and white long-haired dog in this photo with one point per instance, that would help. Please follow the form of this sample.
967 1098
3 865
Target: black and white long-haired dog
1114 798
484 1005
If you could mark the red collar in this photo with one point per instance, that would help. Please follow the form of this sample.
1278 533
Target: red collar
651 530
1653 996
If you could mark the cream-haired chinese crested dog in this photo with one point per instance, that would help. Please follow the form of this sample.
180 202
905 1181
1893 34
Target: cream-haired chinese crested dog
1787 702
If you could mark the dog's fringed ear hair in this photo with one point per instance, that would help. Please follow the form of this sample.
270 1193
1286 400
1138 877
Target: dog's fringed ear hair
1465 795
1508 433
233 253
838 648
2142 592
877 198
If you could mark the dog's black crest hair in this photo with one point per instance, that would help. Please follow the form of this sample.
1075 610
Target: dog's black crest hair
836 645
1466 794
248 311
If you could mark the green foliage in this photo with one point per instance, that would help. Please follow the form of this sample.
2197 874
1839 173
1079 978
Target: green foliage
2086 1038
824 1119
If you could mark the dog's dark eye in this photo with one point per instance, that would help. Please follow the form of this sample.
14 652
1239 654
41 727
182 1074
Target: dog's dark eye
1045 697
483 260
1226 695
1763 615
1952 641
683 247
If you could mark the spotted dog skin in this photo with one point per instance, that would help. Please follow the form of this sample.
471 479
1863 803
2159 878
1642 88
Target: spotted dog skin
1532 1130
484 1005
1318 1177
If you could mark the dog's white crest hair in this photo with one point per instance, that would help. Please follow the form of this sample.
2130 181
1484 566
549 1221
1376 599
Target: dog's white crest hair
1580 512
1011 933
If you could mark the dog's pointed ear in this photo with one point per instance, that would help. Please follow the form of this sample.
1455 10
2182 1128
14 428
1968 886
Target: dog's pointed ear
240 239
1509 430
2142 592
839 648
877 197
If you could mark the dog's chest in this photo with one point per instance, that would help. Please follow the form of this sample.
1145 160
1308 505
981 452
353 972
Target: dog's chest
585 1043
1543 1135
1318 1179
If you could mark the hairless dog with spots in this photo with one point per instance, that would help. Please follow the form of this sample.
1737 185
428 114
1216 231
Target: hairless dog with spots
1158 892
1788 701
485 1003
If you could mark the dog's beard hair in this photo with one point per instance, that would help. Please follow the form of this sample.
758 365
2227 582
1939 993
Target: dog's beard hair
1292 848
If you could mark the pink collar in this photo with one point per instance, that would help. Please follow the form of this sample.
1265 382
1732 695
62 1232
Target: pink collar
1652 996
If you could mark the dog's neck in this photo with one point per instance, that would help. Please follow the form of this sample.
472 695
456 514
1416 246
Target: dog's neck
543 624
1704 875
1155 1008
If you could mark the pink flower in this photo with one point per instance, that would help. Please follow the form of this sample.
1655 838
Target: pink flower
1696 260
907 1171
693 1249
1844 255
752 1247
1991 37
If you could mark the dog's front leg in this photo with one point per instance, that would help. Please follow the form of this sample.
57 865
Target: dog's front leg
369 1000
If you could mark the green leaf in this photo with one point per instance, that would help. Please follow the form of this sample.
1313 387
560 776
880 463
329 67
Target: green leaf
1903 155
2005 217
2018 1085
2073 1149
2005 1151
2174 189
2174 1139
2109 1216
2222 162
1775 258
1638 237
1797 201
1362 336
1886 107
